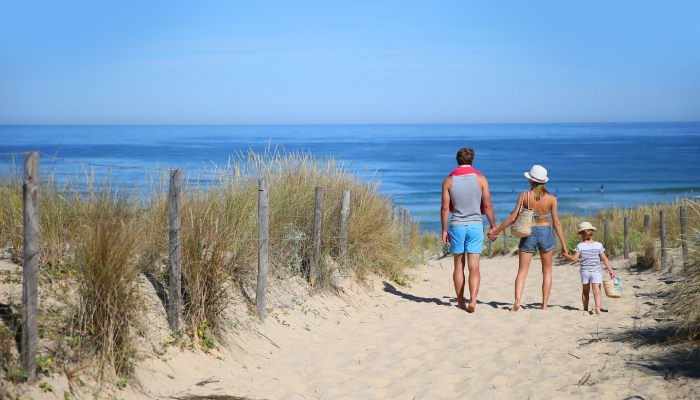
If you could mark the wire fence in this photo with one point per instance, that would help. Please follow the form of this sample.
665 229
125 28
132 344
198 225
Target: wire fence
191 240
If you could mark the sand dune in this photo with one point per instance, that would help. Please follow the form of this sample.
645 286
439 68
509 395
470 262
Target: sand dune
412 342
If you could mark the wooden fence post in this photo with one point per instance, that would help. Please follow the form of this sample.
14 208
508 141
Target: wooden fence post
505 241
344 217
662 232
647 224
263 245
407 228
30 264
437 246
175 248
316 253
627 238
402 221
605 233
684 233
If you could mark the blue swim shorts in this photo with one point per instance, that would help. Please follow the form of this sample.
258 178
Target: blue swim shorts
541 237
469 237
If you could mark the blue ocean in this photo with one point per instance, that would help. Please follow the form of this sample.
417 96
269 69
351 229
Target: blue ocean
635 163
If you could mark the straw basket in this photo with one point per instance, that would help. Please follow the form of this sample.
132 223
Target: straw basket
612 288
522 226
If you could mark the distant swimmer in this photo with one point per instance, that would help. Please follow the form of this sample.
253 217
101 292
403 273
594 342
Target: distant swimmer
602 189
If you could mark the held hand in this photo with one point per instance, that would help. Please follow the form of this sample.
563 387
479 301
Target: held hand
492 235
565 254
445 238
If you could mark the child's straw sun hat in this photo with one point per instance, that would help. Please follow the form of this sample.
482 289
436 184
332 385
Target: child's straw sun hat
585 225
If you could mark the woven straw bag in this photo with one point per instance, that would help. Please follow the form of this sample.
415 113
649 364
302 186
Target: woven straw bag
612 287
522 227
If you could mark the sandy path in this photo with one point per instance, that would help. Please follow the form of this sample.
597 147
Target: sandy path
412 342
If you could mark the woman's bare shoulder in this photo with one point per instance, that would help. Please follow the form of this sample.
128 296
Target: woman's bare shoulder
550 198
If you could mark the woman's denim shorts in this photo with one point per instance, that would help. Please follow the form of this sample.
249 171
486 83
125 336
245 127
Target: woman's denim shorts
541 237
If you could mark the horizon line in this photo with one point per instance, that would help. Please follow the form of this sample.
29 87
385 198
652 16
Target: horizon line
373 124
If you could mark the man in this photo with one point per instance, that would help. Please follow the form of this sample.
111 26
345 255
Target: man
465 193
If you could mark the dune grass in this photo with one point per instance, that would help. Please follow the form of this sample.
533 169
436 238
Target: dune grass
685 294
647 247
100 231
107 272
614 246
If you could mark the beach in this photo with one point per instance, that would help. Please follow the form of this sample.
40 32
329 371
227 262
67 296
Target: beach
246 200
383 340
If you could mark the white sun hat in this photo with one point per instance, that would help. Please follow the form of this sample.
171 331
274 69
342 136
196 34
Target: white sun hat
538 174
585 225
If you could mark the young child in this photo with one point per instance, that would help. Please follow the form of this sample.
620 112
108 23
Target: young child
592 253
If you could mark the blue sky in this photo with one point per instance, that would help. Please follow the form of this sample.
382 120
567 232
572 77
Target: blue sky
354 62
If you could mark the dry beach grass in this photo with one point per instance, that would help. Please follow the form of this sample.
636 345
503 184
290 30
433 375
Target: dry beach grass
685 296
101 235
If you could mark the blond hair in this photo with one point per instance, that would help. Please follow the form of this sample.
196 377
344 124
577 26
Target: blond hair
586 234
539 189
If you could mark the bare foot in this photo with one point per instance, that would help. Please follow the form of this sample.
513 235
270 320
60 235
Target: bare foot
597 311
515 308
544 307
471 308
461 307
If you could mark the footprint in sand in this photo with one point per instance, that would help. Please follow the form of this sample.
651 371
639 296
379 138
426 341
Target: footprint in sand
393 393
414 350
380 382
500 380
440 357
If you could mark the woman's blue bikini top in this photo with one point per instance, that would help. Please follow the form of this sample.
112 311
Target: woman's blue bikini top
534 216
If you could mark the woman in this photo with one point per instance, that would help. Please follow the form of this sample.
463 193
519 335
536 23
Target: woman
541 238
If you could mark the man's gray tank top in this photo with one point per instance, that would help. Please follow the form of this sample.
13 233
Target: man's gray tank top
466 199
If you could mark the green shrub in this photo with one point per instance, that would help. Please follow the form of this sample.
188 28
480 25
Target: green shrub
571 242
46 387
